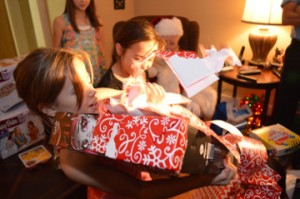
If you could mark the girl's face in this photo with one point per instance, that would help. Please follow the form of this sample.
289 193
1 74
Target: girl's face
138 57
81 4
67 99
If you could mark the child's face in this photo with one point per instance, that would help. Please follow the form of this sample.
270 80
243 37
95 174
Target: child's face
81 4
138 58
67 99
172 42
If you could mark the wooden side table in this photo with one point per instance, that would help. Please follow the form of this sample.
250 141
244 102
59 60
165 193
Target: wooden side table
266 81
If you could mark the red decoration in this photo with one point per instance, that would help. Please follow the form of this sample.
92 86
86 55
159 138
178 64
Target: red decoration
256 104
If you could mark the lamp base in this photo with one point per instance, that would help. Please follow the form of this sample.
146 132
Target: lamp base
260 64
261 42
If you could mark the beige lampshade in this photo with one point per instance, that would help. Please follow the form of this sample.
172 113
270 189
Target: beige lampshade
263 12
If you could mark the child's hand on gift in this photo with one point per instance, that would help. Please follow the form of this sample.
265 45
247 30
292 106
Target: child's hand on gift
155 93
139 95
227 173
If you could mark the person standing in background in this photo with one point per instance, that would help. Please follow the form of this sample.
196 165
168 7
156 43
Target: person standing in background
80 28
288 94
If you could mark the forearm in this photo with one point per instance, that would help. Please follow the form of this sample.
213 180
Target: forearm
152 72
89 170
291 14
165 188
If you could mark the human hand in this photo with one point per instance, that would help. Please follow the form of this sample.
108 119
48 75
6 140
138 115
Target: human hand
155 93
226 175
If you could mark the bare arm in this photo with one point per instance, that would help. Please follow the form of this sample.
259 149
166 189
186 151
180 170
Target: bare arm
58 29
152 72
291 14
88 169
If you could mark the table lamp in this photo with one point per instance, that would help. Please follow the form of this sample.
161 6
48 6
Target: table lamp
262 12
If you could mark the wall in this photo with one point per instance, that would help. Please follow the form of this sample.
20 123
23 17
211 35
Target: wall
21 24
219 20
218 26
7 47
105 9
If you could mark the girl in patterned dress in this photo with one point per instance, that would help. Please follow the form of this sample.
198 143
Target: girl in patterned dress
80 28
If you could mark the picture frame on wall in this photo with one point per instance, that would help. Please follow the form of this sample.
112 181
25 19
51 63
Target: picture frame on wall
119 4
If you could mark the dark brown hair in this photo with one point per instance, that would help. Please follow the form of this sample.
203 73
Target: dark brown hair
133 31
41 75
90 12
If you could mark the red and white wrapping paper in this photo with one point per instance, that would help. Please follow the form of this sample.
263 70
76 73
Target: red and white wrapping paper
157 142
255 179
154 143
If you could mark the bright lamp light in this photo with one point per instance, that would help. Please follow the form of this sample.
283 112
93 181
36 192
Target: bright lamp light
262 12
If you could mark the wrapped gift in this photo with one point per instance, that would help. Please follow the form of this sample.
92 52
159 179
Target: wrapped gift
152 142
154 138
255 179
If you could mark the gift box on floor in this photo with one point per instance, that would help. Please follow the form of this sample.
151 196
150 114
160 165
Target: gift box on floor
19 128
278 139
153 143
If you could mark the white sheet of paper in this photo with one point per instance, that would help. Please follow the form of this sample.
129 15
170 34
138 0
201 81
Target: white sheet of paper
194 74
190 70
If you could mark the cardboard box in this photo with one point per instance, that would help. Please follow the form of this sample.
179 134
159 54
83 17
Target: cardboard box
19 128
7 67
278 139
6 72
8 93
